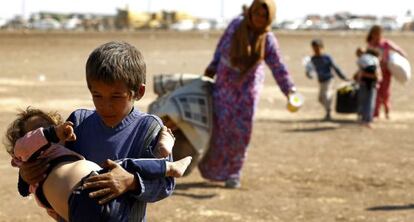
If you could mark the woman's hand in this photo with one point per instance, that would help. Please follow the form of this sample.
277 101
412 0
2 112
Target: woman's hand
34 171
111 184
210 72
290 92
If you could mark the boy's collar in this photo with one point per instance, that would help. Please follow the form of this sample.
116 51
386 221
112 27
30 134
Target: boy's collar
124 122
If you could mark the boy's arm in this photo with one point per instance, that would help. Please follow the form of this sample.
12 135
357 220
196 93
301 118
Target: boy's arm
146 168
125 177
121 181
151 190
338 70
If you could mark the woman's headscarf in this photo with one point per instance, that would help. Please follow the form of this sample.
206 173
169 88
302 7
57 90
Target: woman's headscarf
248 43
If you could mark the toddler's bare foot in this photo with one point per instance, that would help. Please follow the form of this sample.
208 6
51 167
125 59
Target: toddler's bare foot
177 168
165 143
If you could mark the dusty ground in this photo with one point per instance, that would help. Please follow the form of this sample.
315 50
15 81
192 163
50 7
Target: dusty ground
298 169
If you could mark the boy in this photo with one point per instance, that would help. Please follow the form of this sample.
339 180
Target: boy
115 75
324 64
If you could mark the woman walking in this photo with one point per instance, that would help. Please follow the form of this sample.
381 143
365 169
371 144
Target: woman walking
245 46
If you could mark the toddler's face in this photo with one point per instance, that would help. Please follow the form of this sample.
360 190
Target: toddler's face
35 122
113 102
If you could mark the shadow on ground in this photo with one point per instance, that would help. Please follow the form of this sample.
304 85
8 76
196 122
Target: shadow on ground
391 207
312 125
204 185
188 186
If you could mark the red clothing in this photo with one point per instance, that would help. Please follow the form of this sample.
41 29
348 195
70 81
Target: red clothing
384 90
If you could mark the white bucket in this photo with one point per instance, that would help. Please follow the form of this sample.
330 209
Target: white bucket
295 101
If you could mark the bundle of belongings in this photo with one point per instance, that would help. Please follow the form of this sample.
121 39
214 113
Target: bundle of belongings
399 67
184 104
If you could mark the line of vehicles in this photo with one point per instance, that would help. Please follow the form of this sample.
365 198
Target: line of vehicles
348 21
126 19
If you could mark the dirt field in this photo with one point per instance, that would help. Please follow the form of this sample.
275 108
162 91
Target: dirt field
298 168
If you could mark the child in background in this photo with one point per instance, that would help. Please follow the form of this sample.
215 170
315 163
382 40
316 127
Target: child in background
115 76
368 75
324 64
37 134
384 46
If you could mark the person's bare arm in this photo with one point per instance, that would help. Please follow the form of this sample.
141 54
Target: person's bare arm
396 48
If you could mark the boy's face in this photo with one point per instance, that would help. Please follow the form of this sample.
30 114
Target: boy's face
316 49
113 102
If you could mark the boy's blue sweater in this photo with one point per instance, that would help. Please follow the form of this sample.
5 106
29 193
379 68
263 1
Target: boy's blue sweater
324 65
97 142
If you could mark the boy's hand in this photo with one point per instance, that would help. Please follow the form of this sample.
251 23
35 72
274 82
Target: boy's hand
34 171
111 184
65 131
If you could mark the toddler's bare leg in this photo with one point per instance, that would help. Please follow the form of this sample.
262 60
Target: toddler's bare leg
165 143
177 168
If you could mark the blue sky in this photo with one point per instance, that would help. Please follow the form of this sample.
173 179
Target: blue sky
287 9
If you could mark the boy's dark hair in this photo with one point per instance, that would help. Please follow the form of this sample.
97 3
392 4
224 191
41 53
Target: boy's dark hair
317 42
16 128
116 61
